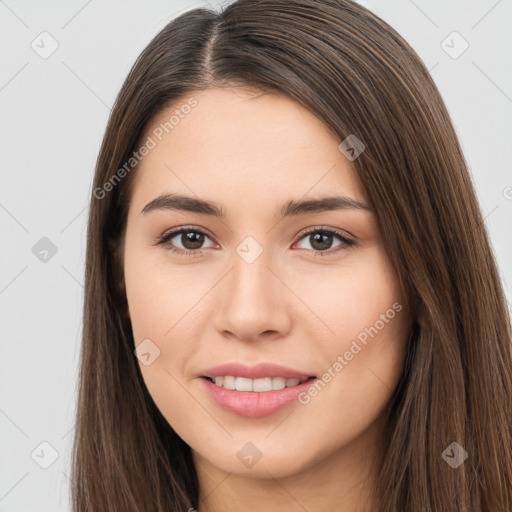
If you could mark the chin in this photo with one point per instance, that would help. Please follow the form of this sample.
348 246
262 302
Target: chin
259 460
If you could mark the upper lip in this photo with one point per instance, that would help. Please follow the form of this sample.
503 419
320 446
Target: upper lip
257 371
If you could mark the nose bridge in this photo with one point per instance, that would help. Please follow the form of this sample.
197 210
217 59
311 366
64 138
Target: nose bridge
253 300
251 281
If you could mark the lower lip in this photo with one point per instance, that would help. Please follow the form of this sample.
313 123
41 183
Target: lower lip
251 404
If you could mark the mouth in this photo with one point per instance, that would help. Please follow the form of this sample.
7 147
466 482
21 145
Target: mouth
254 390
246 401
259 385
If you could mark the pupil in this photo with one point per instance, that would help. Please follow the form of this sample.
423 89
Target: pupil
192 240
320 238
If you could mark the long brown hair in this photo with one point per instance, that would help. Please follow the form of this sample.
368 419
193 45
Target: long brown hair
355 73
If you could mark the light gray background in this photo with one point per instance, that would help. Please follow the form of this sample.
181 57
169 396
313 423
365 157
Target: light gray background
52 116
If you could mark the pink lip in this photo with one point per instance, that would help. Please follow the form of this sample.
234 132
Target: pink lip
251 404
257 371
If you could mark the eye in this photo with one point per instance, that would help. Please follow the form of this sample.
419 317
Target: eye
191 240
321 240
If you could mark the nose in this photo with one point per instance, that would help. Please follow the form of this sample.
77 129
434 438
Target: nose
253 303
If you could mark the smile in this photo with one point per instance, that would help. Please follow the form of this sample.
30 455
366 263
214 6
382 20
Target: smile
262 385
254 398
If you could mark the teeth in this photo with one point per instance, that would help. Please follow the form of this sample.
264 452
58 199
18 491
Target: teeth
243 384
258 385
262 384
278 382
229 382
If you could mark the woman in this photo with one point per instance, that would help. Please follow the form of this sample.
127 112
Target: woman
291 300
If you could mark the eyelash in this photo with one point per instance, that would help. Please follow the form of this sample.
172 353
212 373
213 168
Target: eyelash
346 243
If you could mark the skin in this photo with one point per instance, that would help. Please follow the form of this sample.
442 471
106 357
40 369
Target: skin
250 153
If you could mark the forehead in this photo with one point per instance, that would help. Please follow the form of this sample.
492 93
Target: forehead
244 146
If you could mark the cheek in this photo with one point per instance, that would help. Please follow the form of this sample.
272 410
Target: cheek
164 309
161 310
161 302
365 311
351 299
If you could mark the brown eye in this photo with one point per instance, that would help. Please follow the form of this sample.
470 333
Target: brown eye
190 240
321 241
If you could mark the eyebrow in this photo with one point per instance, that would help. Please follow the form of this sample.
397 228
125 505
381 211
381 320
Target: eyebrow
289 209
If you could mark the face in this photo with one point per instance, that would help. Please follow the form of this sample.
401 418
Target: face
303 297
